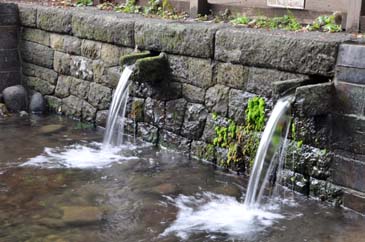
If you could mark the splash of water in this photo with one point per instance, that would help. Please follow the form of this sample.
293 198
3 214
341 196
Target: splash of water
115 125
268 160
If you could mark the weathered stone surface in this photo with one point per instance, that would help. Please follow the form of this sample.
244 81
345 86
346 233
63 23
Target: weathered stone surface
90 49
174 141
88 111
79 88
9 79
209 129
195 117
193 93
107 76
63 86
175 111
195 71
39 85
65 43
350 98
135 109
78 108
354 200
102 118
54 19
350 75
9 60
348 133
37 103
54 103
348 172
325 191
237 105
103 28
351 55
37 54
307 53
27 15
216 99
202 150
82 215
82 68
111 54
177 38
151 69
295 181
62 63
154 112
15 98
260 80
131 58
36 35
283 88
315 99
99 96
231 75
40 72
149 133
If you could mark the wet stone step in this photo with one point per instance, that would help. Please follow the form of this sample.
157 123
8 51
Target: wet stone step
350 75
351 55
354 200
349 171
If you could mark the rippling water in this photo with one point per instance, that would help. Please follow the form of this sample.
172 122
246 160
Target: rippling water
75 191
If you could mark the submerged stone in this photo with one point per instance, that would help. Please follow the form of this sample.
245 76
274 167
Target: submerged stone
37 103
51 128
76 215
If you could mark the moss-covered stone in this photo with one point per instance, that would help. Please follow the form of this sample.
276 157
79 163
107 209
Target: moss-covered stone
131 58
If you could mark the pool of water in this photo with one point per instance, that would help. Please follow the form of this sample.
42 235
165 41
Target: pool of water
57 183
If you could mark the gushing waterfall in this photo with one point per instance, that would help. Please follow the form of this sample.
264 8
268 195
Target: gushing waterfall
269 157
115 125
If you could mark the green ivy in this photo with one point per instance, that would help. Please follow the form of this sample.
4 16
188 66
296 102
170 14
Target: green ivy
83 3
325 23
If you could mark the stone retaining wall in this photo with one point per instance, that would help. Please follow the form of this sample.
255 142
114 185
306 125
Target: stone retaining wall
72 58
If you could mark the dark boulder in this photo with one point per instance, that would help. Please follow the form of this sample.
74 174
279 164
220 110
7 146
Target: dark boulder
15 98
37 104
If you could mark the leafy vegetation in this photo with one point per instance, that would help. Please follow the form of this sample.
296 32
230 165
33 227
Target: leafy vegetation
325 23
241 140
129 7
84 3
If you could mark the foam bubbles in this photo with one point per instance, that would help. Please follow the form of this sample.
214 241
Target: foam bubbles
213 213
92 155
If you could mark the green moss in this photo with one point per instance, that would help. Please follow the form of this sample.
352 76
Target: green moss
130 59
255 113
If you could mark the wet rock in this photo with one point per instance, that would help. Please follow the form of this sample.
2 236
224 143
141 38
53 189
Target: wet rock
51 222
149 133
51 128
193 94
175 111
228 190
81 215
237 105
110 54
99 96
79 88
102 117
154 112
209 129
15 98
202 150
195 117
37 103
325 191
165 189
40 72
174 141
216 99
3 110
54 103
135 109
23 114
151 69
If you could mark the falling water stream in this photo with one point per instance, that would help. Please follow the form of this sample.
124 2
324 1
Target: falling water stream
114 131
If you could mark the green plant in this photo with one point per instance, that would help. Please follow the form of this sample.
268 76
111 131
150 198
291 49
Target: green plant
325 23
128 7
243 20
83 3
106 6
287 22
255 113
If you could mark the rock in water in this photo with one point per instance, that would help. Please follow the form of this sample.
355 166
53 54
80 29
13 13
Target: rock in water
81 215
15 98
51 128
3 110
37 104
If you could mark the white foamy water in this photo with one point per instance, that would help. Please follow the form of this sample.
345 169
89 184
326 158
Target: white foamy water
92 155
213 213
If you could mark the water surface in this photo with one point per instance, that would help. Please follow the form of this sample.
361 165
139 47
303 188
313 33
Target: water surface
56 184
